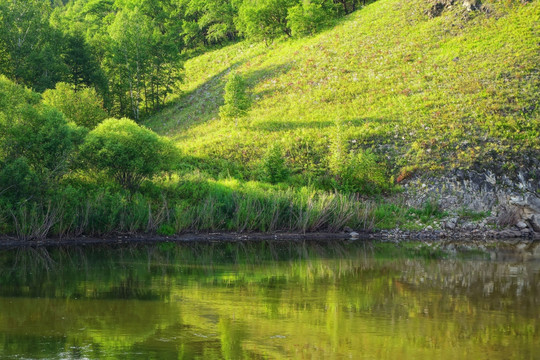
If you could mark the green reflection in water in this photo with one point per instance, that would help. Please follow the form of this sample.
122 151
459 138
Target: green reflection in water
265 300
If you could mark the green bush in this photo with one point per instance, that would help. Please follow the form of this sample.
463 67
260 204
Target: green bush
237 101
362 172
35 132
82 106
18 181
273 163
127 152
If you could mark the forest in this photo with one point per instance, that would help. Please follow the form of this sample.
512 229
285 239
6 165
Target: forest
116 116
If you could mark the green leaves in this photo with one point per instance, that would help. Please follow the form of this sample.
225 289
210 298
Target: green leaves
83 107
127 152
237 101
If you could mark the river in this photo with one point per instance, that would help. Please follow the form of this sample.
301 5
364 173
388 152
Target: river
268 300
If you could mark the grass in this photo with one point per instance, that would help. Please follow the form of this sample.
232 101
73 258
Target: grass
428 94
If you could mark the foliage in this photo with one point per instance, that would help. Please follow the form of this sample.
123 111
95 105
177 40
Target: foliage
18 181
309 17
236 99
208 21
82 106
36 133
274 166
264 19
127 152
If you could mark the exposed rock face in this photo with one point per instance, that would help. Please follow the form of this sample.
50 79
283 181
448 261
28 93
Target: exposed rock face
439 6
513 200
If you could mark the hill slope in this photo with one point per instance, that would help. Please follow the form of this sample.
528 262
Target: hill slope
426 93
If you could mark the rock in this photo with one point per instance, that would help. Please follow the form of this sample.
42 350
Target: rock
530 208
354 234
348 229
521 225
471 4
469 226
451 224
535 222
429 227
510 234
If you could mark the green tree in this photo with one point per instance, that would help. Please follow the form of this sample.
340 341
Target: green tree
208 21
83 106
142 60
35 139
126 151
30 48
237 101
264 19
310 16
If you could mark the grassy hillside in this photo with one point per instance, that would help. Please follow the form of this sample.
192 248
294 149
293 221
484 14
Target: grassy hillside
423 93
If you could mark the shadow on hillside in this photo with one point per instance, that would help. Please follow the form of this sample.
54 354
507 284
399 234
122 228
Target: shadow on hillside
203 103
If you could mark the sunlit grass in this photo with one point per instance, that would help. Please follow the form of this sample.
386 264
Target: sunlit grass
428 94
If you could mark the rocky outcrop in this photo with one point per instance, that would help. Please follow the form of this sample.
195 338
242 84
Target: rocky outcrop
500 201
439 6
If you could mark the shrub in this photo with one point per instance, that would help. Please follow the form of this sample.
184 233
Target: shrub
236 99
82 106
127 152
361 172
274 168
17 180
37 133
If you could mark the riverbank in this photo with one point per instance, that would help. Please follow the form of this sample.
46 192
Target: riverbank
440 237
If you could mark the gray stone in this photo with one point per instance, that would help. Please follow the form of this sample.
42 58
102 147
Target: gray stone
510 234
354 234
451 223
535 222
521 225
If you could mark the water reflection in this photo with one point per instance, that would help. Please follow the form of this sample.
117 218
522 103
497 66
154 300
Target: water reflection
265 300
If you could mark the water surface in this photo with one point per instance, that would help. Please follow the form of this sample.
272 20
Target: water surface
267 301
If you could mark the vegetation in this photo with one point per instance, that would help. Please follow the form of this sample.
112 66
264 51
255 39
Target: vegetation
331 108
127 152
83 106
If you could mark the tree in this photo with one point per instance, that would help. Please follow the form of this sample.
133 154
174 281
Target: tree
237 101
31 49
83 106
35 139
310 16
208 21
142 61
127 152
264 19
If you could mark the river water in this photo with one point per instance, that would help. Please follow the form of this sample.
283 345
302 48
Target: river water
265 300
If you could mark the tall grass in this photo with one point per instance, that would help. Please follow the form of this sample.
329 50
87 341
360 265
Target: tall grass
226 205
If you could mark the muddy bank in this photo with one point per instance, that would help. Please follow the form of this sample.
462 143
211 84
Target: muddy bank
10 242
439 237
